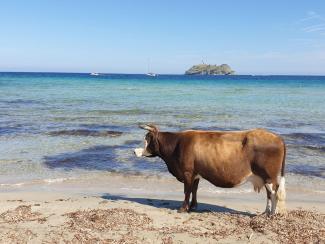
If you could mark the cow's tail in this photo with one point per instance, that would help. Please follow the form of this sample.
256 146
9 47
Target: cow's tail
281 192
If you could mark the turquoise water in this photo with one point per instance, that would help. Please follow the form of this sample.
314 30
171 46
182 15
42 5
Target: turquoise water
54 126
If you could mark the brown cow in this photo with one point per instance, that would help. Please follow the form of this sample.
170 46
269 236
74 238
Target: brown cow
224 158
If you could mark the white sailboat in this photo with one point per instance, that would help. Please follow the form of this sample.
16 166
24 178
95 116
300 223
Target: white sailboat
149 72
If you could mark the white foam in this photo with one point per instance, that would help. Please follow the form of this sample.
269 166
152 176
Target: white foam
56 180
35 182
12 185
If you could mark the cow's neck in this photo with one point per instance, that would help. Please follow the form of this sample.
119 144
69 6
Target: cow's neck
169 152
167 144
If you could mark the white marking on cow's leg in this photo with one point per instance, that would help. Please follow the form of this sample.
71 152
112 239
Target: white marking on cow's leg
268 206
273 197
281 196
274 202
197 177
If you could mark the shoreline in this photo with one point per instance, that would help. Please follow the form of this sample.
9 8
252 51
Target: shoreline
161 187
96 183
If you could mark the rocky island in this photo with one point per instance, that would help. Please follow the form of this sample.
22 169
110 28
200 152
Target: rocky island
208 69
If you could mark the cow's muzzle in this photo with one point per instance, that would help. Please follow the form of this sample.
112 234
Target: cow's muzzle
138 152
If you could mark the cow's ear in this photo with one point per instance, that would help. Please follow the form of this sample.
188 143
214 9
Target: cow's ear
149 127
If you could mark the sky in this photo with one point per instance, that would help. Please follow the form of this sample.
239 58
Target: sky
124 36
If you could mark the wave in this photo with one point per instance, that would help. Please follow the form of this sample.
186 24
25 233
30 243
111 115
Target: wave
307 138
306 169
35 182
120 112
86 132
22 102
320 149
14 129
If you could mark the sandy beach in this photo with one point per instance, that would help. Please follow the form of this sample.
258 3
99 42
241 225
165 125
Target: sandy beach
105 104
67 212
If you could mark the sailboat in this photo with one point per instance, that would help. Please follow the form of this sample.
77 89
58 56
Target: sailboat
149 72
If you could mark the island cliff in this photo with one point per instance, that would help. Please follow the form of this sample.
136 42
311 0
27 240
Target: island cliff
208 69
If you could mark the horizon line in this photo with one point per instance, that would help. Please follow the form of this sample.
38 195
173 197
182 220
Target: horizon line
104 73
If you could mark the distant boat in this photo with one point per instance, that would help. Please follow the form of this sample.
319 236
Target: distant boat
94 74
149 72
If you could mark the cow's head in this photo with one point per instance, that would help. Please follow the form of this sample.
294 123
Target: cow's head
151 146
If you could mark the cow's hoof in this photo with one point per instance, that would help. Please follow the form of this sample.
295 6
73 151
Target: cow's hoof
182 210
282 212
193 207
267 212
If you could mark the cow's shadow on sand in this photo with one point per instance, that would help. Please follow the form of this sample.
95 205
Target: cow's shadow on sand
174 204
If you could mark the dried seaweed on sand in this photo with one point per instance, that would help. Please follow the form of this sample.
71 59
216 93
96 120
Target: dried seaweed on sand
22 213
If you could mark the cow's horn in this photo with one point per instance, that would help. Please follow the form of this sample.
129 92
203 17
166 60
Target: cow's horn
148 127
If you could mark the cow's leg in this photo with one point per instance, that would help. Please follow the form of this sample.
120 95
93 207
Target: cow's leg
281 195
194 191
188 185
271 188
268 202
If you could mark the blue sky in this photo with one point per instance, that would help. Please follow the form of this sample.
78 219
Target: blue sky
253 37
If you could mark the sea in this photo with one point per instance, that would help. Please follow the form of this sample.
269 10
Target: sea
57 127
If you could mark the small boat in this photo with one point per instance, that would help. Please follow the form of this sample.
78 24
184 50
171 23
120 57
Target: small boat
151 74
94 74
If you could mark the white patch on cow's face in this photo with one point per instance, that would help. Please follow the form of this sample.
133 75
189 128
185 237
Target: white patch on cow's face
139 152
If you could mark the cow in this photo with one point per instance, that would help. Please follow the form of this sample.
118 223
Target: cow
224 158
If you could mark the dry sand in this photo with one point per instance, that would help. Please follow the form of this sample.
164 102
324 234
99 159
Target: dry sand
135 209
44 217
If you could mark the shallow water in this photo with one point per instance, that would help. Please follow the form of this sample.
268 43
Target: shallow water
55 126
